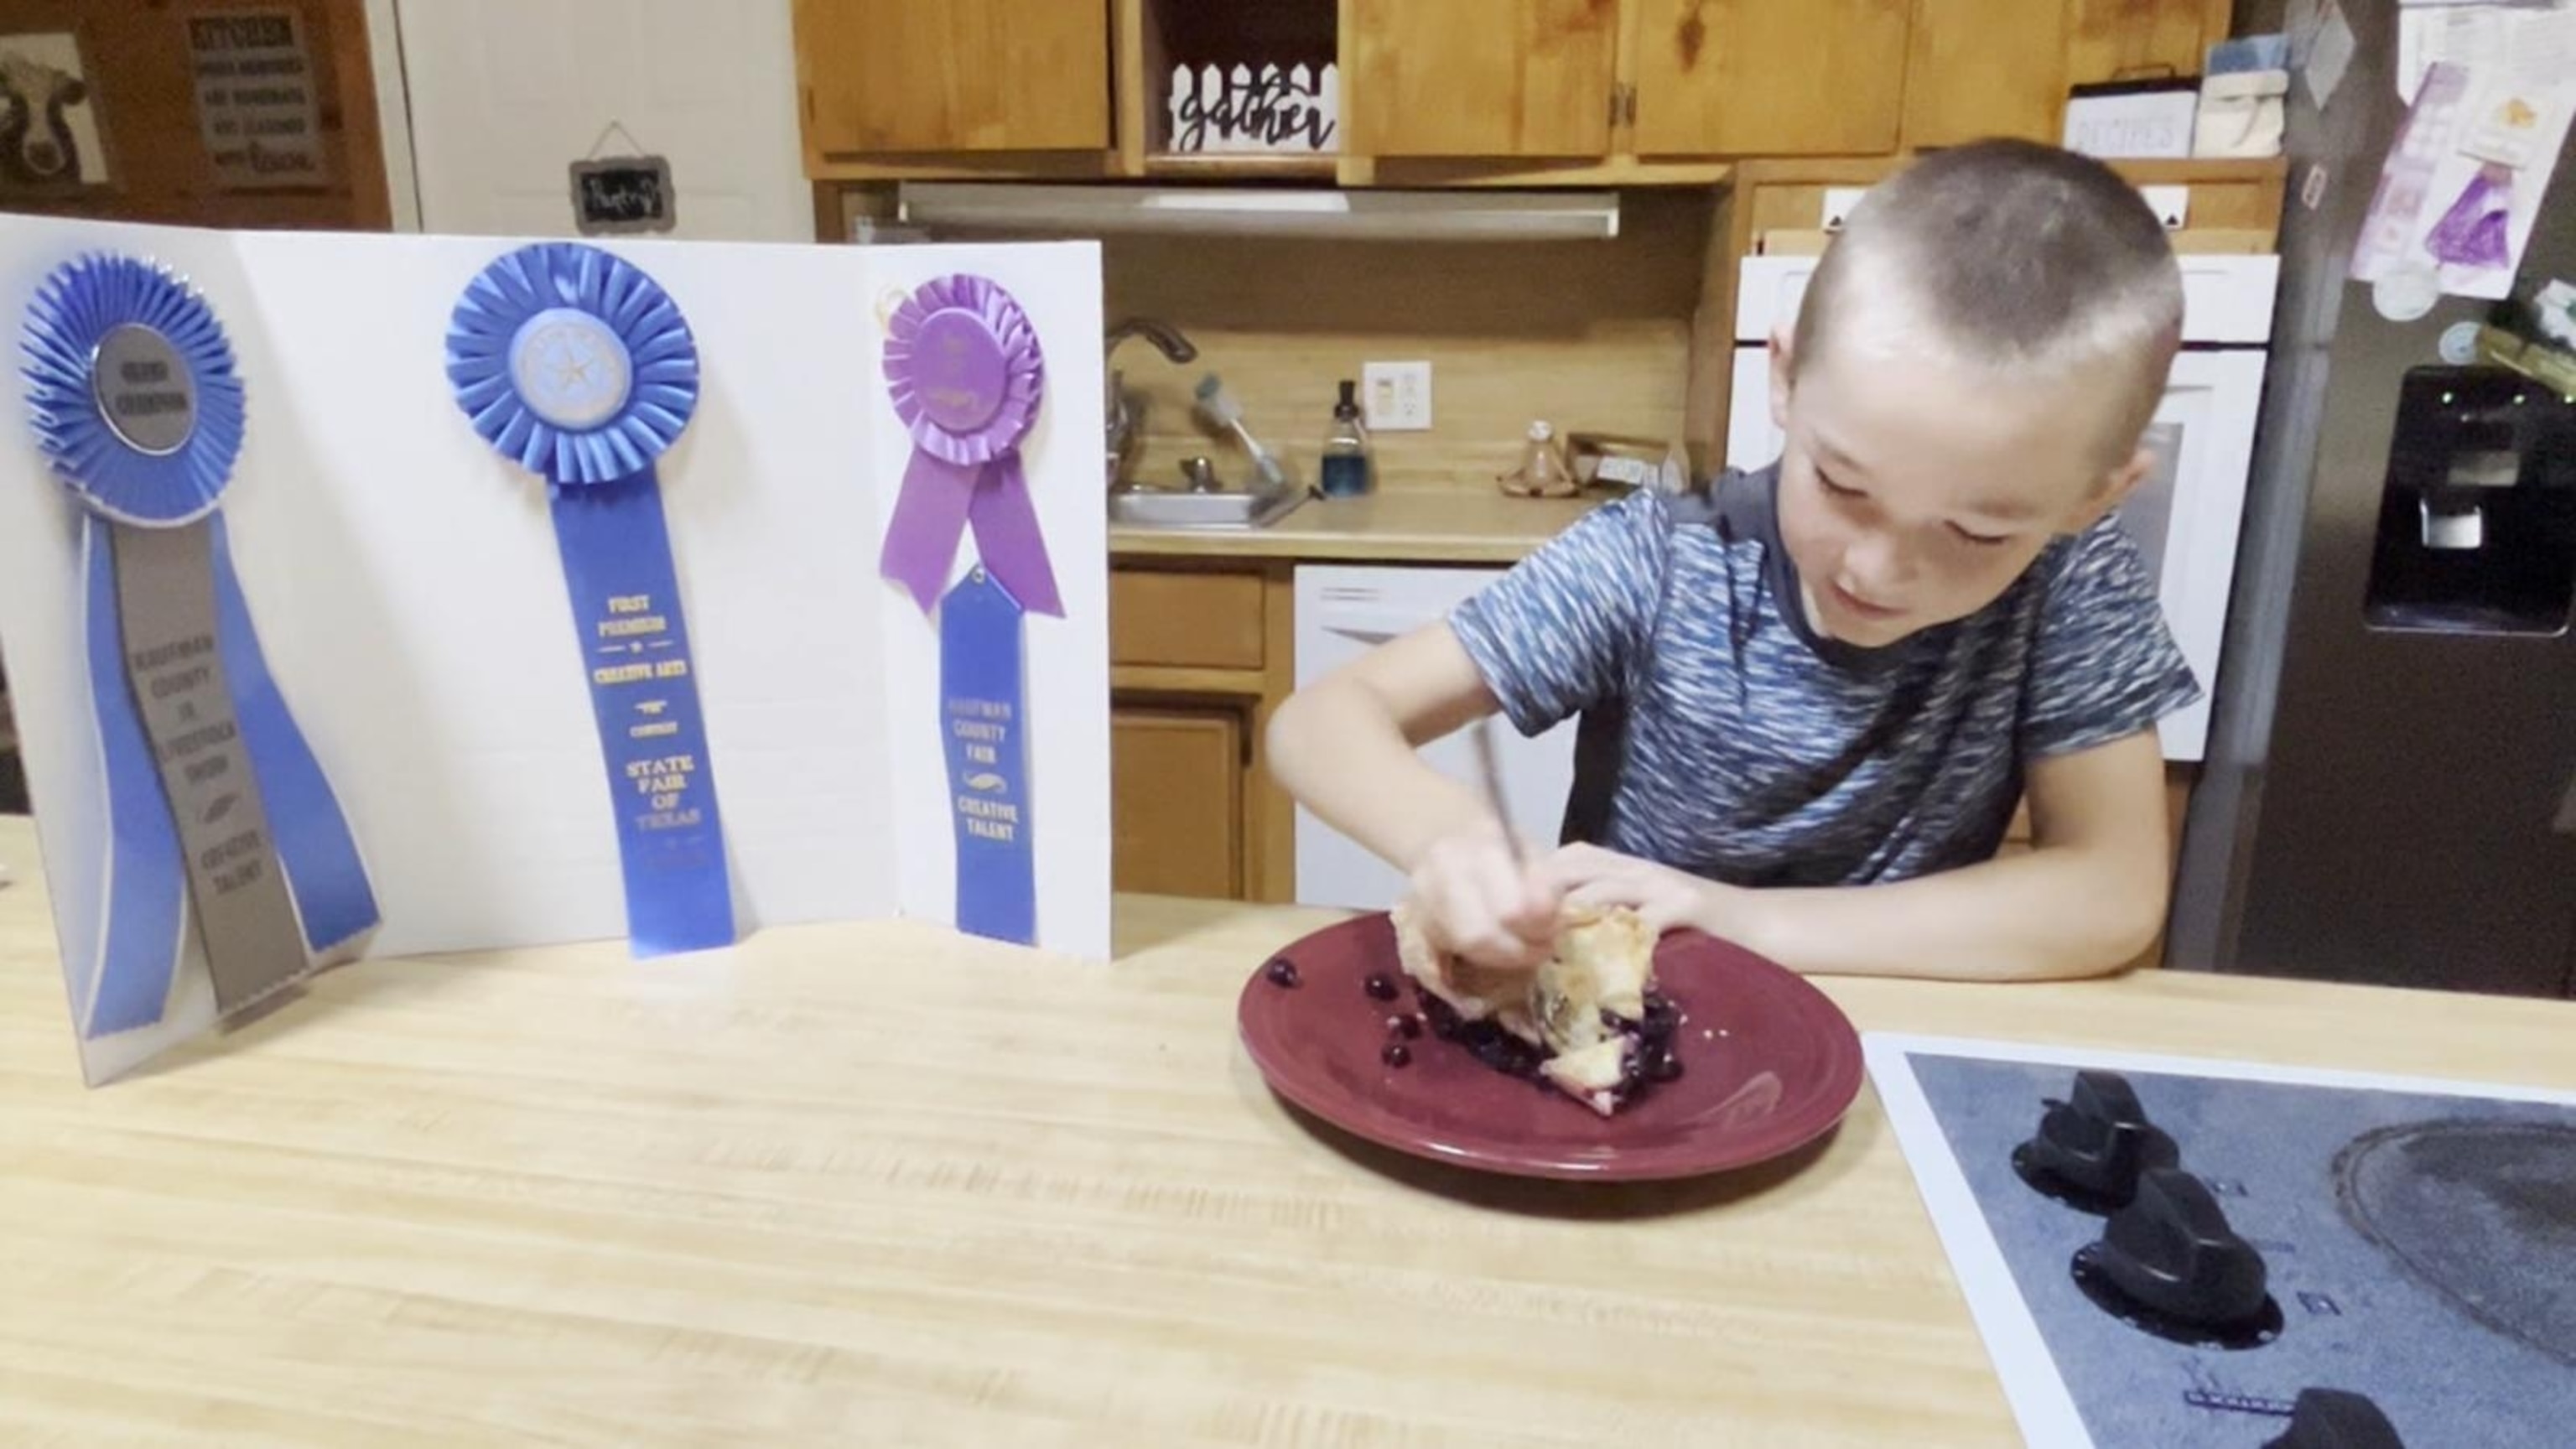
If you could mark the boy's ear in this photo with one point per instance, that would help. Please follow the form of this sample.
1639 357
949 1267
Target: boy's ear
2116 488
1784 361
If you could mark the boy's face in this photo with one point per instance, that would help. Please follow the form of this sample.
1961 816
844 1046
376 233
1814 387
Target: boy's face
1913 491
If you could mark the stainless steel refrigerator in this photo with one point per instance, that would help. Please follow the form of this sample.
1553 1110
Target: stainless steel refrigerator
2390 788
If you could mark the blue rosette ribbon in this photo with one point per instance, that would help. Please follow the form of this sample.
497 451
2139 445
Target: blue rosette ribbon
577 366
223 833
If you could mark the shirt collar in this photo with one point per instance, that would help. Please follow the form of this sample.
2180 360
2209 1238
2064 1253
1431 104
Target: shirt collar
1748 510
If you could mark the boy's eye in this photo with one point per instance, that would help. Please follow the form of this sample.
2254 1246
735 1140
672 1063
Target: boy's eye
1837 489
1982 540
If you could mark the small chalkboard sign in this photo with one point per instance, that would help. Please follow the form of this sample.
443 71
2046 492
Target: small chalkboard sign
623 194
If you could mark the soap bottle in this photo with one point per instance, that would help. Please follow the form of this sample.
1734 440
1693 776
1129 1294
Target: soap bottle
1348 470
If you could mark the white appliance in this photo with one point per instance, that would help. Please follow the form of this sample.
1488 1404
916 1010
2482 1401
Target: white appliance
1342 613
2185 518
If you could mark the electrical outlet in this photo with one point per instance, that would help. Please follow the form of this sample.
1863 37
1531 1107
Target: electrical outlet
1396 396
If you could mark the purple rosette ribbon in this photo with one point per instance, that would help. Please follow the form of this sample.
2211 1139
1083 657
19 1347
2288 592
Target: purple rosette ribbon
963 365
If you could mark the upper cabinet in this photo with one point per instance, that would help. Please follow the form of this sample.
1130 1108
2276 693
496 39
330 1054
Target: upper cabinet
2002 67
1439 91
1767 77
925 77
1464 78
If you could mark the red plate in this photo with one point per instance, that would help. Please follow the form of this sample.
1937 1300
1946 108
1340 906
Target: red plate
1783 1071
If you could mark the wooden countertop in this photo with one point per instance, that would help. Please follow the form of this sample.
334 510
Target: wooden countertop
1450 527
876 1184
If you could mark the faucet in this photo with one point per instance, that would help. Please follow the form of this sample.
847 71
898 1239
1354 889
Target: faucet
1125 417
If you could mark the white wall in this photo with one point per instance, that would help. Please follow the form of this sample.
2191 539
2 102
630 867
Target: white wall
503 95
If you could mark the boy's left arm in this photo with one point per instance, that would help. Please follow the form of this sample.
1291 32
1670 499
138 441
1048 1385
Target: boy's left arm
2086 899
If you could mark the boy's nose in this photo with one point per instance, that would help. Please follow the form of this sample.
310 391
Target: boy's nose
1878 568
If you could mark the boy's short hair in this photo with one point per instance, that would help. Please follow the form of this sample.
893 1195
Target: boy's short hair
2014 255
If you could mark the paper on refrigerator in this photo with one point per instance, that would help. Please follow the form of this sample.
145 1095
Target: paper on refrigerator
2482 36
2471 168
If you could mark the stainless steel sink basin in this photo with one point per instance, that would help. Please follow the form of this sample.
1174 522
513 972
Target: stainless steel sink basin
1154 508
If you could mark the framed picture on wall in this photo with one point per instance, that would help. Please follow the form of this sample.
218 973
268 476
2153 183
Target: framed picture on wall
50 138
258 98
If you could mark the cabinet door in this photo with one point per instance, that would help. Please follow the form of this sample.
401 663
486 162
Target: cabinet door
1176 801
953 75
2001 67
1978 68
2126 39
1480 77
1769 77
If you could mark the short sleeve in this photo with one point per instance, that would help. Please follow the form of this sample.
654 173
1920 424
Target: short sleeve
1557 633
2104 664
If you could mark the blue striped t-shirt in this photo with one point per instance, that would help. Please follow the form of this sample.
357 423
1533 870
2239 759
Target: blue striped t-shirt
1753 751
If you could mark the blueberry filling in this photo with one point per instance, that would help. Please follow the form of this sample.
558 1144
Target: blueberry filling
1396 1054
1282 972
1651 1057
1380 988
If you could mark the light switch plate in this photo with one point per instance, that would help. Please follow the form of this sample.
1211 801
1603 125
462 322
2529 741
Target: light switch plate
1396 396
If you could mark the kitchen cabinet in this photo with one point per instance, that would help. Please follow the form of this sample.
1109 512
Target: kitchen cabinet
1199 657
1625 82
1979 68
1176 799
1767 77
901 76
1461 92
1985 68
1480 77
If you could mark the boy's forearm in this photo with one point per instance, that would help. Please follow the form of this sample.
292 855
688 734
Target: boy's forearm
1339 751
2037 916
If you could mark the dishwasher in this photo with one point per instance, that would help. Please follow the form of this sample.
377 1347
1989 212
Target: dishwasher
1342 613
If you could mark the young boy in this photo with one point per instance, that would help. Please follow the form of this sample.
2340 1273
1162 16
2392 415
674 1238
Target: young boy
1831 680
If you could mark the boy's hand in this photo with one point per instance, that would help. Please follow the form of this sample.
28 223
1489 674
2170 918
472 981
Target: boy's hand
1664 899
1477 902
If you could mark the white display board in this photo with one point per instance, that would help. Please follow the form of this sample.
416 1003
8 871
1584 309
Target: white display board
407 592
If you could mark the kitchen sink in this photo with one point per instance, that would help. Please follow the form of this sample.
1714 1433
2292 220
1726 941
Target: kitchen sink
1160 508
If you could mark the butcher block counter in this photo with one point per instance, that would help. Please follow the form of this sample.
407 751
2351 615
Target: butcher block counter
876 1184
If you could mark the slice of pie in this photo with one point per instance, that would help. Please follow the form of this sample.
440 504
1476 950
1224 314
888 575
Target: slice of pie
1588 1022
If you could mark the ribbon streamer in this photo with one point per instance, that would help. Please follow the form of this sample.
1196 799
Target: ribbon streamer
963 366
984 704
579 367
221 825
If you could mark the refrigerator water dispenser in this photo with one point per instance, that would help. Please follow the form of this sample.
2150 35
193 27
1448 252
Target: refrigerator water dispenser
2477 519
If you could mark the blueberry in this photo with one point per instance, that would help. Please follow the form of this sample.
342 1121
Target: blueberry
1396 1054
1380 988
1407 1027
1282 972
1664 1068
1445 1022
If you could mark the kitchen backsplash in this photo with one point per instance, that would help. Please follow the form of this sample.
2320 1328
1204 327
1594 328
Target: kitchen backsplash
1592 336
